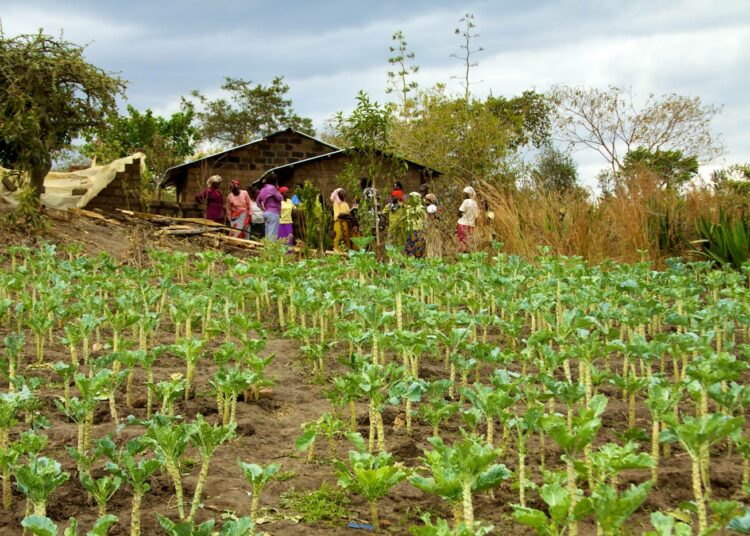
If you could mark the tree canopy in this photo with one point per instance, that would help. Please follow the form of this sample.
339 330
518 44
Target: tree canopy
166 142
672 167
251 111
609 122
555 172
49 94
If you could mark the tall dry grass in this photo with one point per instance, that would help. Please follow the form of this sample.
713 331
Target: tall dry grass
639 220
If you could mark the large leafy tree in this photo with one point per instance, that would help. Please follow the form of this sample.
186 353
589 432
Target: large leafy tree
672 167
610 122
470 141
165 141
555 172
250 111
49 94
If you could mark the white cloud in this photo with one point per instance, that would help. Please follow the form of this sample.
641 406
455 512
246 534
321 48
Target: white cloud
329 52
79 27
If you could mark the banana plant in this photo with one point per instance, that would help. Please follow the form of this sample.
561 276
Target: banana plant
370 475
169 439
460 470
206 438
38 479
258 477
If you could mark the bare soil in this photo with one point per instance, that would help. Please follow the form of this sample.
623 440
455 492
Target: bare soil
268 427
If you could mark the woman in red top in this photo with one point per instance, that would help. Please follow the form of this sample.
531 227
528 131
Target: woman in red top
212 200
239 210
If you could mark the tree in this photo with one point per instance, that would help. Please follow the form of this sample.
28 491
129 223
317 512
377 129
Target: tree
166 142
671 167
527 116
252 111
467 34
366 131
554 172
609 122
444 133
403 61
49 94
734 179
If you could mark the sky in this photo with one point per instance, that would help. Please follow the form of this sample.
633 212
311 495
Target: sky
329 50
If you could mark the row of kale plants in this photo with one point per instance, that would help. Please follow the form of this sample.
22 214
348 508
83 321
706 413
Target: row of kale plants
522 355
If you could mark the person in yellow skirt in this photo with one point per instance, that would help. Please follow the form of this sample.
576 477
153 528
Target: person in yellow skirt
341 215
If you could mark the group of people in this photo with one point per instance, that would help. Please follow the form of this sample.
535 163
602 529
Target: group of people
411 220
264 212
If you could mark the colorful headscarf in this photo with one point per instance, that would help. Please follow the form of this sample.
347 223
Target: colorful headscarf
335 197
235 183
283 190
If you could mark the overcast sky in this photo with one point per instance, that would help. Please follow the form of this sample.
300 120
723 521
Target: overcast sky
329 50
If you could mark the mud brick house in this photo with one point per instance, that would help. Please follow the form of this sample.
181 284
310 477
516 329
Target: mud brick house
325 172
246 162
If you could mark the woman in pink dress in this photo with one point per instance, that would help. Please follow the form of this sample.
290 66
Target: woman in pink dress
239 210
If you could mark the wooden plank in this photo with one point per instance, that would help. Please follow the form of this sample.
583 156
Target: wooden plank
158 218
239 242
184 230
93 215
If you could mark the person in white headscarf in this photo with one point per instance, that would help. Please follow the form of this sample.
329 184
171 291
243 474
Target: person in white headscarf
468 217
212 200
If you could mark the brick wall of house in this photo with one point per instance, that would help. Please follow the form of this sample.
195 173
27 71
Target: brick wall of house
250 162
123 192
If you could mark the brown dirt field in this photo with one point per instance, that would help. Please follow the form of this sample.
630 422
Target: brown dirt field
267 430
